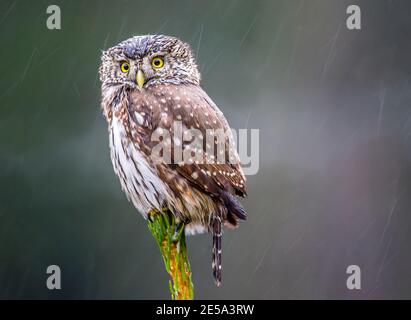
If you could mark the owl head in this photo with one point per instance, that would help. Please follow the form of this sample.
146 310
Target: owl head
143 61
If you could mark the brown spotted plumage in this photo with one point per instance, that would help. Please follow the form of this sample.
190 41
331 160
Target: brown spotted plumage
170 145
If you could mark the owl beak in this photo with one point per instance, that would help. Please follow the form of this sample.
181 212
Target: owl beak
140 78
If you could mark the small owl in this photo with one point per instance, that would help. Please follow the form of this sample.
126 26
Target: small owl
150 83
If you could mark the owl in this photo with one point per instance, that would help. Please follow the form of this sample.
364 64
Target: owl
149 84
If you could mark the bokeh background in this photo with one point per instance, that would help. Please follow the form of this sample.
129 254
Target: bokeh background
334 111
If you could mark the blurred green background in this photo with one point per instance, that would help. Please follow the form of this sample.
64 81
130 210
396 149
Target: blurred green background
334 111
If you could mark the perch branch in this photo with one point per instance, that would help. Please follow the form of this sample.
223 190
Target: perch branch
171 240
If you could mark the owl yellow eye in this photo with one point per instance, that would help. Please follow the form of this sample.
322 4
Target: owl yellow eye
125 67
157 62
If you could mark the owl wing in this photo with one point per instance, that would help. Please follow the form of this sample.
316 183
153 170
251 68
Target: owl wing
191 107
219 167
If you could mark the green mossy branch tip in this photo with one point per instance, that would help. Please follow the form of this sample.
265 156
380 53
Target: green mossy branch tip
171 240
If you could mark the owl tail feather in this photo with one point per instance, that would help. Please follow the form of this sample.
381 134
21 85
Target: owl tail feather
234 207
216 256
